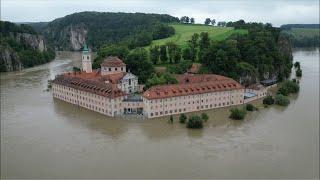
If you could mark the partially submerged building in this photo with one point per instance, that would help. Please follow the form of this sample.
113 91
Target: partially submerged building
112 90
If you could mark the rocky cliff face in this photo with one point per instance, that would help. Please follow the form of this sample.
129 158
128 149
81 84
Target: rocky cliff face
36 42
71 37
9 57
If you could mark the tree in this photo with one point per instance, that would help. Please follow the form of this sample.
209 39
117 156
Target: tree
137 62
207 21
160 79
171 119
192 20
182 118
193 44
186 54
163 53
195 122
268 100
213 21
297 64
237 114
281 100
250 107
204 43
204 117
298 72
177 54
174 52
154 54
110 50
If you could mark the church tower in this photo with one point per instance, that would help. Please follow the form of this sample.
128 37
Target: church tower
86 59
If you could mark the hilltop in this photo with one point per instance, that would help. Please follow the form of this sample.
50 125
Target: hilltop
183 33
100 28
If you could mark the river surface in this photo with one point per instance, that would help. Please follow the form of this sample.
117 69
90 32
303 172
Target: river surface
46 138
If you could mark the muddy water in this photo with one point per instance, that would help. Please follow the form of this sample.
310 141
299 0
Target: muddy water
46 138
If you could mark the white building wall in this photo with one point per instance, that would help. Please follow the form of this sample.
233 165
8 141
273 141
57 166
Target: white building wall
94 102
184 104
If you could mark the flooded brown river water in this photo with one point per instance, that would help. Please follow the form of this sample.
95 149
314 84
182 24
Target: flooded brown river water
46 138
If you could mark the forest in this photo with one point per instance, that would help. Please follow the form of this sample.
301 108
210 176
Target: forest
132 29
262 53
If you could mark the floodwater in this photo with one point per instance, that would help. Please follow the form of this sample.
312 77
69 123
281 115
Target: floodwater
46 138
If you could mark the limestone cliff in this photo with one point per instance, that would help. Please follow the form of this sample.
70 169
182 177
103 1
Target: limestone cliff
21 46
71 37
9 59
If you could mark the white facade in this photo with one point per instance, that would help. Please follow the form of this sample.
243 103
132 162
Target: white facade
112 70
129 83
190 103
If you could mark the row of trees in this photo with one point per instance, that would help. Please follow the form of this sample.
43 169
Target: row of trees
187 20
209 21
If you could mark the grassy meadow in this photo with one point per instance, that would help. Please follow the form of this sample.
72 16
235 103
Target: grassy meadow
185 31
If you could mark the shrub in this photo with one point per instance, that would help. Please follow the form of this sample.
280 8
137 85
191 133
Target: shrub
182 118
288 87
282 90
281 100
299 72
250 107
171 119
204 117
297 64
268 100
291 86
237 114
195 122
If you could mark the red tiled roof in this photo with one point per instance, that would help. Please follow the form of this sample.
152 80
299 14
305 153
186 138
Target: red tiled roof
113 78
113 61
89 85
192 84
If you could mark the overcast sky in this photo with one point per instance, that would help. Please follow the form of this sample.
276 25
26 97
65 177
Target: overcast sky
277 12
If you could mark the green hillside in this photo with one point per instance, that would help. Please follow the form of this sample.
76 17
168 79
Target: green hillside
183 33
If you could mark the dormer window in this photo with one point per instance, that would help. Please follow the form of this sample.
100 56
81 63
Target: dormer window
109 69
87 57
122 69
116 69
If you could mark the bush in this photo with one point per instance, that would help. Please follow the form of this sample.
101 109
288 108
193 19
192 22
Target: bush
204 117
291 86
281 100
171 119
182 118
297 64
237 114
250 107
299 72
195 122
268 100
282 90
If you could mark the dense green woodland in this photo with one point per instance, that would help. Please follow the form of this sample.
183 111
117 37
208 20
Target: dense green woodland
27 55
132 29
263 53
302 35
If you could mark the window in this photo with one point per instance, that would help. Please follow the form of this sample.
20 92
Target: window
87 57
116 69
121 69
109 69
